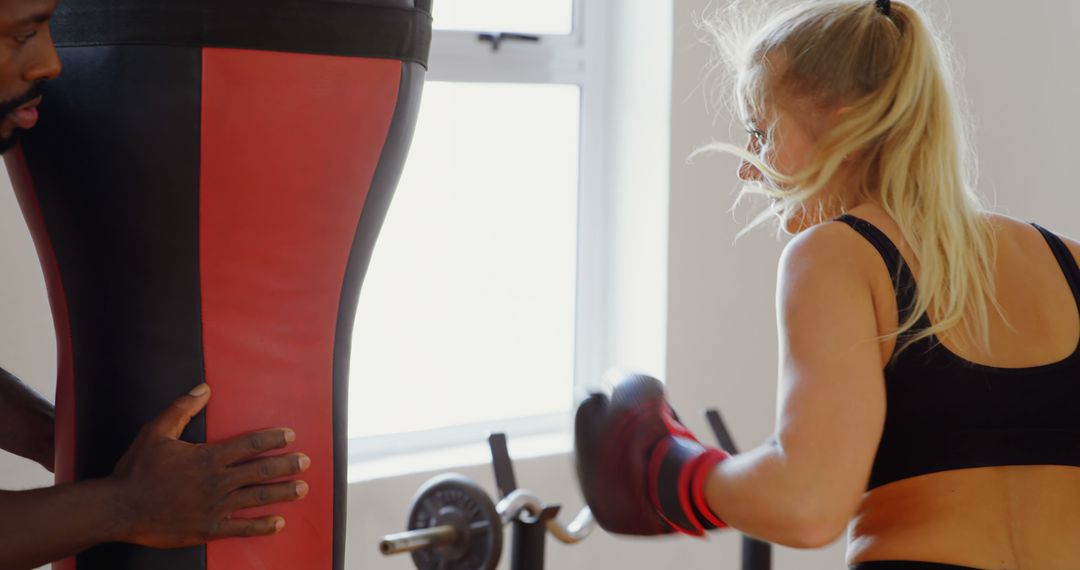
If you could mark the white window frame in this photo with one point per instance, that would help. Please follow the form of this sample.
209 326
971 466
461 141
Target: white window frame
578 59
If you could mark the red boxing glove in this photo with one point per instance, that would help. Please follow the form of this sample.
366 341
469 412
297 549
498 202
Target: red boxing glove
641 471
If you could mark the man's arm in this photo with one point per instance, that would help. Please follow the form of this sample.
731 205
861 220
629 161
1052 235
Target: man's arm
26 421
163 493
42 525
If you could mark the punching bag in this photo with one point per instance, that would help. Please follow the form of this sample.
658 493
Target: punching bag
204 188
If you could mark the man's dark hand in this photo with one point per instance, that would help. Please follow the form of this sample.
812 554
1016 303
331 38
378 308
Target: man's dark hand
175 493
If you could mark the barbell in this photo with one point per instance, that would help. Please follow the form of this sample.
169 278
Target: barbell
454 525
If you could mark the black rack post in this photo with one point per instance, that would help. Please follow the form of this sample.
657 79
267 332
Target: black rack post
756 554
527 551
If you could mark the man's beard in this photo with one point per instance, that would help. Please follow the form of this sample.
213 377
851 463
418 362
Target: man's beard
9 106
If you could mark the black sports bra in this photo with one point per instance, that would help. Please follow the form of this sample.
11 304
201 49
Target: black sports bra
944 412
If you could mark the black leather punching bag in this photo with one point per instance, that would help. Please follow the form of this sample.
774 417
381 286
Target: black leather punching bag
205 187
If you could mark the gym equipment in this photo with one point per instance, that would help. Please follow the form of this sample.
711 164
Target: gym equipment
205 187
456 513
453 525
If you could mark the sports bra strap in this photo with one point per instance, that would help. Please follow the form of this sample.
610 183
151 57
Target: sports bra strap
1065 260
903 280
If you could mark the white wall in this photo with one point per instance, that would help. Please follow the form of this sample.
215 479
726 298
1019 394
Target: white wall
1023 79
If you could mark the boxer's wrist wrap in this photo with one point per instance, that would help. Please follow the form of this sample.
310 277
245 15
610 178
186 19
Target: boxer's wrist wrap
677 473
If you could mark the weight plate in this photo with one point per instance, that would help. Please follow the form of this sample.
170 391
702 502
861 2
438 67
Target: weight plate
453 499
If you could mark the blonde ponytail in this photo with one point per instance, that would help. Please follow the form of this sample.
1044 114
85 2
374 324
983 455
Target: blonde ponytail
905 123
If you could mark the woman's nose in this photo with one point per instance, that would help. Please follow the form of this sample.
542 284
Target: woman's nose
748 172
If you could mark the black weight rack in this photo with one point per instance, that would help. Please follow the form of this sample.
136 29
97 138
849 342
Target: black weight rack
530 532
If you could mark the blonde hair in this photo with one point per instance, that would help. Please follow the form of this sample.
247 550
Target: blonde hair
905 120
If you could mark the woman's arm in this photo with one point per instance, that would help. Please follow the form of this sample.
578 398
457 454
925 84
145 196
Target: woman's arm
802 488
26 421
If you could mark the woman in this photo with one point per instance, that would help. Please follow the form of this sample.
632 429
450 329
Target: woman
929 394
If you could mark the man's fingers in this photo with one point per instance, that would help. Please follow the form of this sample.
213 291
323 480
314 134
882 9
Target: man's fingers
175 418
266 469
251 444
231 528
260 495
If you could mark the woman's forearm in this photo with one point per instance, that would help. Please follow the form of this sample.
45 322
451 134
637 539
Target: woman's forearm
27 421
758 493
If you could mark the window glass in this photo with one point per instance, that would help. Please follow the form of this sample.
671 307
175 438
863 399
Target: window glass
467 310
526 16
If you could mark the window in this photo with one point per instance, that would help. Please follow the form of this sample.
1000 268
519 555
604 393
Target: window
483 304
523 16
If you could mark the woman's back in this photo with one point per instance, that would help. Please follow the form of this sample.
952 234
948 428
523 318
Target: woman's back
1007 517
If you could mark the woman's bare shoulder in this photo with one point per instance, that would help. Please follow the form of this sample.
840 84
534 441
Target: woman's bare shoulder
1026 234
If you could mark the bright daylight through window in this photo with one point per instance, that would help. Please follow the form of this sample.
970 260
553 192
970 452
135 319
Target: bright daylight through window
471 298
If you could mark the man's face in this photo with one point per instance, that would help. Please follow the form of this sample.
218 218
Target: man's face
27 60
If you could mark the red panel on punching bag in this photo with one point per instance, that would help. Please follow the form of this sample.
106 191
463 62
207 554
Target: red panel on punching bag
290 143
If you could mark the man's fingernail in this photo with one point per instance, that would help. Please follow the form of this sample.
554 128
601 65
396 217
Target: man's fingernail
290 435
200 390
305 462
279 524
